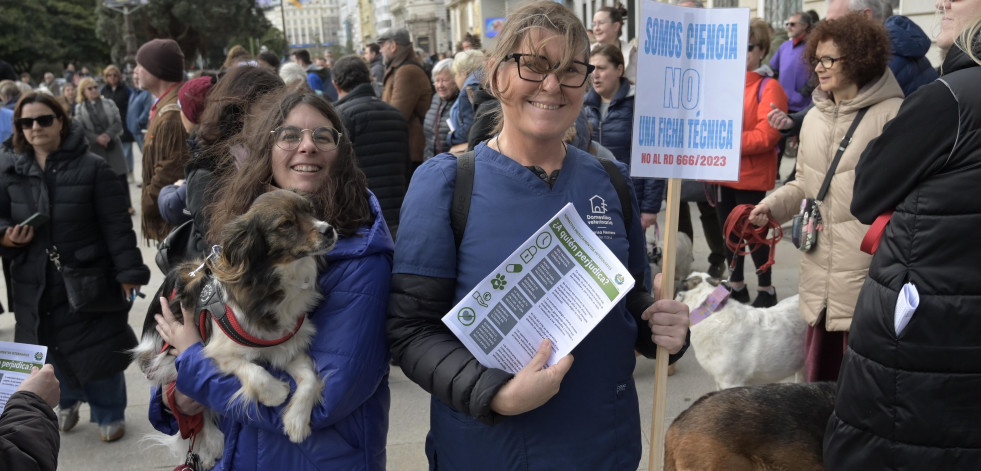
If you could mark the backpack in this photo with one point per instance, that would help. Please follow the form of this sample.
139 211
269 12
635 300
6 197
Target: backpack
460 209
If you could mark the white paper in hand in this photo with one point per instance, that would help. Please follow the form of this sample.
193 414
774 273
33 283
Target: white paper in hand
558 285
906 304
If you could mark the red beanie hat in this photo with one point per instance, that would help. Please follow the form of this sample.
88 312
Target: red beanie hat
192 96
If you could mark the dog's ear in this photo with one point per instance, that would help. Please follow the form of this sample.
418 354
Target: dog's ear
243 242
713 281
692 282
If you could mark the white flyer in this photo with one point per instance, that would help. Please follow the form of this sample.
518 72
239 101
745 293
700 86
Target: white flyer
16 361
559 284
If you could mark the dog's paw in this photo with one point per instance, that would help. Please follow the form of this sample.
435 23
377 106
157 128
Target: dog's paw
296 423
273 393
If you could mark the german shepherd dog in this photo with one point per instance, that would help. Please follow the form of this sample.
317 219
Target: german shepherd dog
770 427
264 280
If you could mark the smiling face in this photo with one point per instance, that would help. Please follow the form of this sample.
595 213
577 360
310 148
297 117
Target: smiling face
445 85
539 110
604 29
957 15
42 139
305 168
606 76
832 80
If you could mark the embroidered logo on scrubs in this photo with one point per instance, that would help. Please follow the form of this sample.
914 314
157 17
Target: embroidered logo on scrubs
599 221
598 204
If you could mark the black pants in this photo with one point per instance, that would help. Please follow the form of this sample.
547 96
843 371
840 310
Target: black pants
710 226
728 200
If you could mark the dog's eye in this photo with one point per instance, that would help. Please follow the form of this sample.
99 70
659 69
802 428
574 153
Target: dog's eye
286 225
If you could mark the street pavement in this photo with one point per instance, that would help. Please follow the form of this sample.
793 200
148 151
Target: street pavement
81 449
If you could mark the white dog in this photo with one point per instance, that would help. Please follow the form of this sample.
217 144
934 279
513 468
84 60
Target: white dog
742 345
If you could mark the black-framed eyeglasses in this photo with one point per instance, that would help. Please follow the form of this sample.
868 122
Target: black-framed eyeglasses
27 123
750 48
826 61
535 68
289 137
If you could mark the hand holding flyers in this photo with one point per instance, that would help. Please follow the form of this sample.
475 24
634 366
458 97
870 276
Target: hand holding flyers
534 385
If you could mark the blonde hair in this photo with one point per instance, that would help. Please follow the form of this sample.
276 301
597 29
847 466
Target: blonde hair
80 90
970 39
112 68
467 62
544 15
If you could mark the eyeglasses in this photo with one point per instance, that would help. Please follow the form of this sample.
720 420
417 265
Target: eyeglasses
534 68
43 120
751 47
790 24
826 61
289 137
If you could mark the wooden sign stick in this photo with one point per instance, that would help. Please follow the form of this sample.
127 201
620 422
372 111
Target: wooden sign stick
667 292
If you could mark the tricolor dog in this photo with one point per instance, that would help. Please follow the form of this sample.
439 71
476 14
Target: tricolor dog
250 300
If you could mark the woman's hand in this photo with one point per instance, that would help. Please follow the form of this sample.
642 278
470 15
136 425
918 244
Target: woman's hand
533 386
17 236
668 320
103 140
179 336
186 405
778 119
760 215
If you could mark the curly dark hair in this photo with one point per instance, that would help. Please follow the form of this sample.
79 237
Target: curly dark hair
863 44
343 203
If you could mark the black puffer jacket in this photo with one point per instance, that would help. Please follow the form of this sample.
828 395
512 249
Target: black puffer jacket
908 400
380 136
90 226
29 439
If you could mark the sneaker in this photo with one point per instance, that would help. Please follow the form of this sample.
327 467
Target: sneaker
112 432
68 418
765 299
740 295
717 270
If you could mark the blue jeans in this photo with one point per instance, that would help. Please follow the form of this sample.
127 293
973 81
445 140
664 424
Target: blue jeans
106 397
128 154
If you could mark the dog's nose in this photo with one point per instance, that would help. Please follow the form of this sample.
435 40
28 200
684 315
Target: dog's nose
327 230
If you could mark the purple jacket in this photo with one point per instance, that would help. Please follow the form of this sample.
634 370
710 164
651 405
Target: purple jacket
792 72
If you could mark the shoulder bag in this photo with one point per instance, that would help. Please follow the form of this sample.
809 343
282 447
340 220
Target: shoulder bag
808 221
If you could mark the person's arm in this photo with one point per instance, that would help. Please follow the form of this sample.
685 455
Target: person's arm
405 90
349 351
115 128
29 438
116 226
763 137
915 144
462 132
315 82
172 203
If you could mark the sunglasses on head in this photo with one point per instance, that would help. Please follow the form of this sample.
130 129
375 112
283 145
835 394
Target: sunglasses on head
44 121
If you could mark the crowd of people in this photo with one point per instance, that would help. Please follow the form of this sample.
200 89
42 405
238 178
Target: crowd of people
373 140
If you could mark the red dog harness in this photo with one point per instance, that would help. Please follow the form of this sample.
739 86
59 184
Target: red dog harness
213 304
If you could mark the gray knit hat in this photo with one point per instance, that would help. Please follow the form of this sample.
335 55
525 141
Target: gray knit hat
162 58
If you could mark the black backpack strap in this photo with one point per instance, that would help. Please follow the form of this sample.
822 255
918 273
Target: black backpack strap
623 192
841 150
460 211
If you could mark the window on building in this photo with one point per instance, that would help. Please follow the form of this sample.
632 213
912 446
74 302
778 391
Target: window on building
777 11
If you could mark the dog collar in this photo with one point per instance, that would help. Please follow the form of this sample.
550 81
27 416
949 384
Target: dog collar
716 299
213 305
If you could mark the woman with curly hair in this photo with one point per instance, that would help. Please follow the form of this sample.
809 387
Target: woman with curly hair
849 56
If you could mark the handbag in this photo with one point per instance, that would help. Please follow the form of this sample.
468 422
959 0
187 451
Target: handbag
808 222
90 289
179 245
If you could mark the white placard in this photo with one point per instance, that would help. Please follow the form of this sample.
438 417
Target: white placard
16 361
559 284
691 74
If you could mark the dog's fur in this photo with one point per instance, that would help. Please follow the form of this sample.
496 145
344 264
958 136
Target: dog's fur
741 345
769 427
267 273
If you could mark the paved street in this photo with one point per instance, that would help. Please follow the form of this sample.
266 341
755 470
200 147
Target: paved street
81 449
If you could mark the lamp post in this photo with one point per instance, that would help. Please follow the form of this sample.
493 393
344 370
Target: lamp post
126 7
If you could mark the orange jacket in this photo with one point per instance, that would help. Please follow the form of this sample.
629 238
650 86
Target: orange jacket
758 153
